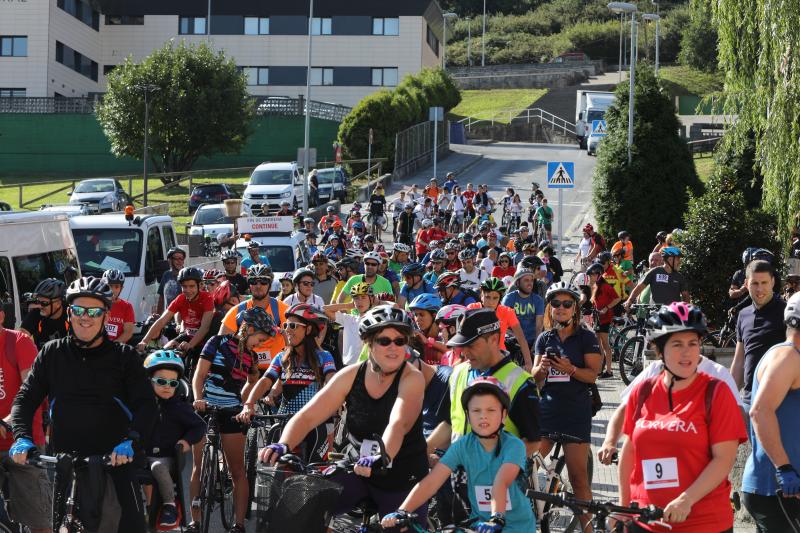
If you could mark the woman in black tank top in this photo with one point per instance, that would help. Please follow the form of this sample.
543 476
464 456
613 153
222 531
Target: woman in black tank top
383 396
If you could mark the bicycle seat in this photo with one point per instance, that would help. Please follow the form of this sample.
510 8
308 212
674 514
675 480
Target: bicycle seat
618 321
563 438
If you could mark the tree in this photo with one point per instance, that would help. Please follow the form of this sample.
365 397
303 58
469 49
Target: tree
650 194
741 172
200 106
699 41
672 28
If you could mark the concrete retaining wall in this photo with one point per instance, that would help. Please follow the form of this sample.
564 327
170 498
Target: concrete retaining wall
524 76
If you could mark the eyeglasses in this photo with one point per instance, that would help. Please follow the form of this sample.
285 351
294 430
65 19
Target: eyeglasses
566 304
371 264
293 325
451 253
45 303
307 283
386 341
259 281
93 312
162 382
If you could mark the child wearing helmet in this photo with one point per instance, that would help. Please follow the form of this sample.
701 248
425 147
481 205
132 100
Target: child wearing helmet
426 338
121 319
177 424
348 315
494 461
446 321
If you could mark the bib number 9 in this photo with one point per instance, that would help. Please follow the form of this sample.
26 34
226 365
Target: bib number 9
660 473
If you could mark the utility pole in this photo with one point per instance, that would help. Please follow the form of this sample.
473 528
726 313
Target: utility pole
307 129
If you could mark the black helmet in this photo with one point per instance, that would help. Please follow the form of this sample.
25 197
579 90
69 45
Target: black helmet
661 236
229 254
175 250
602 257
385 316
762 254
51 288
531 262
113 275
190 273
258 319
595 268
622 234
90 287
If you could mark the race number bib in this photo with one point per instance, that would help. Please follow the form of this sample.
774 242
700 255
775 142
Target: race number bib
370 447
483 495
660 473
264 358
662 278
555 376
191 331
112 330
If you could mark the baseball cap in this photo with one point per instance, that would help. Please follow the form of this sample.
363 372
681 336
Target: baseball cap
472 324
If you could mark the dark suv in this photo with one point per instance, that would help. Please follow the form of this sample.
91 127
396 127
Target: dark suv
210 194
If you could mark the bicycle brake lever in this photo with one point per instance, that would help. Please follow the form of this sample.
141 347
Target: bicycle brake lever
660 523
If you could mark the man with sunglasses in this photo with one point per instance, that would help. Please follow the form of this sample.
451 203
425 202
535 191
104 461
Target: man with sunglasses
49 321
379 284
230 262
102 400
478 336
254 250
325 282
259 277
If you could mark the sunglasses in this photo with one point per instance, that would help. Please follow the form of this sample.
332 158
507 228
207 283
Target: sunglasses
386 341
93 312
230 262
566 304
371 264
293 325
259 281
320 262
162 382
307 283
45 303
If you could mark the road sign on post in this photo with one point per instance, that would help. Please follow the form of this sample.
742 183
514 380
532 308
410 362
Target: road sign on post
560 175
369 161
312 158
435 114
599 128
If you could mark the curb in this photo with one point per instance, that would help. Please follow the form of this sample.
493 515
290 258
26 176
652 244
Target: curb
469 165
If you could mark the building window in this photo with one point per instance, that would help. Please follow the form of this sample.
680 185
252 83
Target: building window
192 25
321 76
256 25
321 26
12 93
76 61
433 42
12 46
384 77
386 26
107 69
256 75
124 20
81 10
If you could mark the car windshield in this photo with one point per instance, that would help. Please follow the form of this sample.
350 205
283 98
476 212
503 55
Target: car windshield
95 186
271 177
100 249
210 215
595 115
281 258
31 269
326 177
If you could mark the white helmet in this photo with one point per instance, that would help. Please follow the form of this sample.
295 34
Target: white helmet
791 314
427 223
580 279
400 247
372 256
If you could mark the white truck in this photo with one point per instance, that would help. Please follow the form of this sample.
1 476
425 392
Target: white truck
591 106
34 246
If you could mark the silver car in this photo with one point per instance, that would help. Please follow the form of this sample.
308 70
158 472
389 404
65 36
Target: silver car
100 195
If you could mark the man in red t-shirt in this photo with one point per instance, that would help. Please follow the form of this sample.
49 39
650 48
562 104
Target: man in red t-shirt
120 319
196 310
469 195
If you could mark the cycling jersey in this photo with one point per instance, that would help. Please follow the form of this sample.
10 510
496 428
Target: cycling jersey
121 313
480 219
273 345
192 312
299 383
409 293
228 372
506 317
239 281
247 262
472 280
379 286
44 329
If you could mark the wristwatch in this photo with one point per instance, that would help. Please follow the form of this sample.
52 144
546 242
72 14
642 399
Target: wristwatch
785 468
499 519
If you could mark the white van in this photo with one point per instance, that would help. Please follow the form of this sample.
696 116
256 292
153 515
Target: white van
138 248
33 246
270 184
277 241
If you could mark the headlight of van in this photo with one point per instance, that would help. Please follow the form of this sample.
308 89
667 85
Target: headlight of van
196 230
286 194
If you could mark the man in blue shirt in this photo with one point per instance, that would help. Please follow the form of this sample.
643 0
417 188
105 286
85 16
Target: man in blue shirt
527 305
414 284
255 257
450 183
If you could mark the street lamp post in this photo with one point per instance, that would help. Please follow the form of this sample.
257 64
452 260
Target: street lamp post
483 37
445 16
657 18
625 7
469 42
621 32
146 89
208 24
307 128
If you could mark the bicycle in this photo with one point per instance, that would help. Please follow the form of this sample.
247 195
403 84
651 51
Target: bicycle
547 475
408 522
265 428
602 510
377 225
720 338
632 355
216 487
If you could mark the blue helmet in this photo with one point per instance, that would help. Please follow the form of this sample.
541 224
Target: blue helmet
426 302
164 359
671 251
413 269
358 225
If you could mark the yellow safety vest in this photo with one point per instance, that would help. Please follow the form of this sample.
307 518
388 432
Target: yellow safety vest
510 375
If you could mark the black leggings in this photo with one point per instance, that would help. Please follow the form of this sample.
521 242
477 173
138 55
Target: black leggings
768 515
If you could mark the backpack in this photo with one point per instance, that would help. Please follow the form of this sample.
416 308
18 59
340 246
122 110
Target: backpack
647 388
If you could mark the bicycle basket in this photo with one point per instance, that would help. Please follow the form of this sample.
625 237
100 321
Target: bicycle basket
291 502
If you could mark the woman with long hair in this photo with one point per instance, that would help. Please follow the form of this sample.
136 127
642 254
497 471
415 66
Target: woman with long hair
604 298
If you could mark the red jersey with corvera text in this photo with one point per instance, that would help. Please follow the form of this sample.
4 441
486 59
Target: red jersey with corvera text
192 312
24 353
121 313
469 195
672 448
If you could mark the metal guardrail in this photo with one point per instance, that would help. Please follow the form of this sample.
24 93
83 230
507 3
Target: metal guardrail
511 115
413 146
280 106
702 146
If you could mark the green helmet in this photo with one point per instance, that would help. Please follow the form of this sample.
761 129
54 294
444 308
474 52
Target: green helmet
494 284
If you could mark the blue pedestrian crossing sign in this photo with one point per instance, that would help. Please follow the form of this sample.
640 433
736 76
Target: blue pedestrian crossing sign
599 128
560 175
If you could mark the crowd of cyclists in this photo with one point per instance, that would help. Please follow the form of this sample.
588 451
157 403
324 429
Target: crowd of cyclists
437 365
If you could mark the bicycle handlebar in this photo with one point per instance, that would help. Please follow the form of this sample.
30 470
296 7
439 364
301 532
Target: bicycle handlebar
650 513
50 461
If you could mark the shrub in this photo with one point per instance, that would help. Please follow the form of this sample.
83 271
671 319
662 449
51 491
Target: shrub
699 42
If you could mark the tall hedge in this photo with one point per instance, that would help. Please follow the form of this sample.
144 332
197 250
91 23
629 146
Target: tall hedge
388 112
650 194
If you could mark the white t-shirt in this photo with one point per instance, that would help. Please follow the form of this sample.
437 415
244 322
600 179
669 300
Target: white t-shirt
315 300
706 366
487 265
473 280
351 342
398 207
585 247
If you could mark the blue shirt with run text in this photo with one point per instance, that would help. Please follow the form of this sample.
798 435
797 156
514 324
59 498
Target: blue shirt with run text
526 309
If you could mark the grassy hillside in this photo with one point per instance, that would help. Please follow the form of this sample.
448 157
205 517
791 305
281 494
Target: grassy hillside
680 80
495 102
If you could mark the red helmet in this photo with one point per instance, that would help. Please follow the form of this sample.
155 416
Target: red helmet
223 292
309 314
588 228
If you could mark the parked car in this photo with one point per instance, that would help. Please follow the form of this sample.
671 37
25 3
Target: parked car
210 193
332 184
270 184
210 220
101 195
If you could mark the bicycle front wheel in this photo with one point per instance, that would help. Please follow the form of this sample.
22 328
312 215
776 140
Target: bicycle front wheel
224 492
631 358
557 518
208 474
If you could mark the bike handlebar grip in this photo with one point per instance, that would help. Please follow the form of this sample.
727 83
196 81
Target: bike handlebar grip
554 499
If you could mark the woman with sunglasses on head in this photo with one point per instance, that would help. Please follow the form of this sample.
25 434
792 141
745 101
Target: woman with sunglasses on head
567 361
226 372
383 396
302 370
604 298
